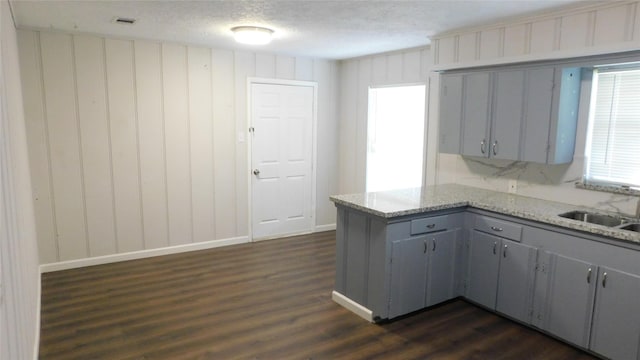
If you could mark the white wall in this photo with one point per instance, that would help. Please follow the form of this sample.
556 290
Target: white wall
356 76
578 31
19 273
135 145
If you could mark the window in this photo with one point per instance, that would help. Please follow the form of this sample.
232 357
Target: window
613 142
395 137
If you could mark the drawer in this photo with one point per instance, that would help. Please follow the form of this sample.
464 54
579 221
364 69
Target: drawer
500 228
429 224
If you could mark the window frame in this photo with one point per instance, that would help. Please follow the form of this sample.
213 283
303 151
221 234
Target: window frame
609 185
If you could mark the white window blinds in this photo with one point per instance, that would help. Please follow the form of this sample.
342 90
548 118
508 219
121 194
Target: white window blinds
613 149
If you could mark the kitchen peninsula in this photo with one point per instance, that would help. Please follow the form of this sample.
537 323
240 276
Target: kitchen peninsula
401 251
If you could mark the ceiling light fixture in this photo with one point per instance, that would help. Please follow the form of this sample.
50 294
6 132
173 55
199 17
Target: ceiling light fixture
252 35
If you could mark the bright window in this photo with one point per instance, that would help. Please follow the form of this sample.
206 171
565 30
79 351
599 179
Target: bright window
613 143
395 137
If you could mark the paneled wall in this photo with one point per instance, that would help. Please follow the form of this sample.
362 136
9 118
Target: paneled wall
356 77
139 145
19 272
581 30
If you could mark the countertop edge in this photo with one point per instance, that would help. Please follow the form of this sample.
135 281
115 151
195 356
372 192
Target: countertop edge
541 216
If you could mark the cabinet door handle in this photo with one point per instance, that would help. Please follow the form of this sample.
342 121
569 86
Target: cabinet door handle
431 226
495 228
604 280
495 246
504 252
494 147
482 145
589 276
425 247
434 245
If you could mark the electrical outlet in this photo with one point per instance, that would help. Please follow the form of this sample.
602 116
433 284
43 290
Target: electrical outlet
513 186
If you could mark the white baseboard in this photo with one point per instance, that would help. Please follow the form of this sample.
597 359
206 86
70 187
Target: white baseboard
352 306
107 259
327 227
36 345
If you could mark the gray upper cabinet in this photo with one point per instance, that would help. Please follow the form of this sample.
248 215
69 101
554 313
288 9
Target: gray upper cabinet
475 113
507 115
516 280
520 113
538 101
615 329
564 116
570 292
450 113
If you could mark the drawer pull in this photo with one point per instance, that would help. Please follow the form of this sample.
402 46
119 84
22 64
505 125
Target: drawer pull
431 226
495 228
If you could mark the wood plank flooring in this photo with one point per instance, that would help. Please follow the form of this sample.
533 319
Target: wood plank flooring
265 300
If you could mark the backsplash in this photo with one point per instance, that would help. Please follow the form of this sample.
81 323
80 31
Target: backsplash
548 182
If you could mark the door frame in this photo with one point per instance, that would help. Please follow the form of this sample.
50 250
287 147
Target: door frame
314 144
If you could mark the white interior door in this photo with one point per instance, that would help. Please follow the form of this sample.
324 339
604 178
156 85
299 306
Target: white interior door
281 159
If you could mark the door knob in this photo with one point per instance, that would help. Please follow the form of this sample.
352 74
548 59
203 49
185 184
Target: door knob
256 172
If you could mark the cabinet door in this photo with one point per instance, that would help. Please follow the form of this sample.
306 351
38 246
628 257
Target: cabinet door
516 280
569 301
408 275
450 113
475 114
615 331
537 114
483 269
507 115
442 255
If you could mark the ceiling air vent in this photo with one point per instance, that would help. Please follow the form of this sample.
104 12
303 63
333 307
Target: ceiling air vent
123 20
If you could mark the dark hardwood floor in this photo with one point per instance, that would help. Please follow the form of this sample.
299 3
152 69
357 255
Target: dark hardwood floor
265 300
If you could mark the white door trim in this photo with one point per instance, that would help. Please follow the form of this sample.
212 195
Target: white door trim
314 134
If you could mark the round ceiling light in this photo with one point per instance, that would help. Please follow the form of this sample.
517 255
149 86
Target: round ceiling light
252 35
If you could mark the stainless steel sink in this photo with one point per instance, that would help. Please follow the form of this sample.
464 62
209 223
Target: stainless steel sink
593 218
631 227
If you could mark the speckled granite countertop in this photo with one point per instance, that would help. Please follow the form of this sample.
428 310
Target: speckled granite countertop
390 204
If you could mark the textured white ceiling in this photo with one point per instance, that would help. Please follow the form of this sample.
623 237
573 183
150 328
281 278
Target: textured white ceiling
325 29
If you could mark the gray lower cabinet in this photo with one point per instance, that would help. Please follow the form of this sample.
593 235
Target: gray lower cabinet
516 280
615 331
484 264
570 292
442 266
575 288
408 283
501 275
422 271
